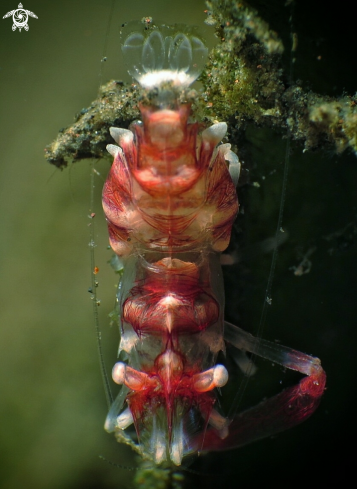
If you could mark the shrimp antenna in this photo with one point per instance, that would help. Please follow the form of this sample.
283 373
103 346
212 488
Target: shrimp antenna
93 292
279 230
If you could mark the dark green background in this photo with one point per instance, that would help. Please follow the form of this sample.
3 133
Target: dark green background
52 403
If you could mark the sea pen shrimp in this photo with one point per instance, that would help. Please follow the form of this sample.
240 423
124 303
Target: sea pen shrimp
170 201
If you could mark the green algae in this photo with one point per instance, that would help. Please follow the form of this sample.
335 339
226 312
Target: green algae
243 83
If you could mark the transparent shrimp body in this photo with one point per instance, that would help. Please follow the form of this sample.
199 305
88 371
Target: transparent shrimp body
170 201
158 58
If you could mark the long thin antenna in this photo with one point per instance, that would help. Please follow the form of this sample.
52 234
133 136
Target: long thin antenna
93 290
105 45
92 245
279 229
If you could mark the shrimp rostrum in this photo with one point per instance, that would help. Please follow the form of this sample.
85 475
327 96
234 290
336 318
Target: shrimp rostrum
170 201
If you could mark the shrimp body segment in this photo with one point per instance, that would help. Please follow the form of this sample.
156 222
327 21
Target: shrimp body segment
170 202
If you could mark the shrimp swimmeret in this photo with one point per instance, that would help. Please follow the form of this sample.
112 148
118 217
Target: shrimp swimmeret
170 201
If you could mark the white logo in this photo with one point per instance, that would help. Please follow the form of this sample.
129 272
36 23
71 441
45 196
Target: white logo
20 17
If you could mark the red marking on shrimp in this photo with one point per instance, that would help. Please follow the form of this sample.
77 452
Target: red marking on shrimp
170 201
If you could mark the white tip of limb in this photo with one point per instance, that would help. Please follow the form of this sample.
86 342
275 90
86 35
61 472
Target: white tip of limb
217 420
114 150
160 452
134 379
220 375
128 340
220 423
118 373
125 419
121 136
208 380
176 453
244 362
232 160
215 133
109 424
177 444
158 443
234 166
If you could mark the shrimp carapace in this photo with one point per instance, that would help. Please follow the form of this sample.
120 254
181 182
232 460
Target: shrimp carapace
170 201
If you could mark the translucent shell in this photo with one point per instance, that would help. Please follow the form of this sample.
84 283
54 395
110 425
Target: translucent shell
156 58
170 202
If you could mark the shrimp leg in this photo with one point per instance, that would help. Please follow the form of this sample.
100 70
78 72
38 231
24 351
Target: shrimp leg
285 410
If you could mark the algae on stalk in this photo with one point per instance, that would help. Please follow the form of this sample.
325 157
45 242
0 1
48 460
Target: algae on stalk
243 82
